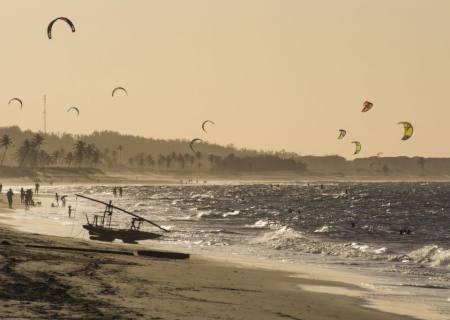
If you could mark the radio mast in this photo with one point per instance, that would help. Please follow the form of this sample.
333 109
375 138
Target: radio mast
45 113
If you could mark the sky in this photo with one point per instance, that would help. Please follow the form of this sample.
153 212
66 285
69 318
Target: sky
271 74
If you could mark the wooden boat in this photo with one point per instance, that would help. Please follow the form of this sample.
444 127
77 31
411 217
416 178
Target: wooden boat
100 228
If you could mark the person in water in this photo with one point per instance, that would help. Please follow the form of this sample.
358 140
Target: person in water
405 231
36 187
57 198
10 195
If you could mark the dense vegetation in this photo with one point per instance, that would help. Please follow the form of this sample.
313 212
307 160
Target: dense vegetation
111 150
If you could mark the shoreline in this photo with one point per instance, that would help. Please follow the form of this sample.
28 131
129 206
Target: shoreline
48 283
302 277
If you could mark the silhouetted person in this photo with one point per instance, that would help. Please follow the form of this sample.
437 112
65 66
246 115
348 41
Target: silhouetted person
115 192
63 201
1 187
36 187
28 198
22 195
57 199
405 231
290 210
120 191
70 211
353 224
10 195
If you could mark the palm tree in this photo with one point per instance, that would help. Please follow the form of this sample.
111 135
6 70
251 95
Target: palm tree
79 151
5 142
23 151
36 143
38 140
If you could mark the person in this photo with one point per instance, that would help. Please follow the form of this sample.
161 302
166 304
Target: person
1 187
57 198
22 195
10 195
120 192
405 231
115 192
28 198
63 201
70 211
36 187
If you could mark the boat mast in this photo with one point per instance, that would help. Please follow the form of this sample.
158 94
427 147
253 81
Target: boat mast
124 211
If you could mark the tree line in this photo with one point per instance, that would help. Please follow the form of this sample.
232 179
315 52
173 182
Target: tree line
31 153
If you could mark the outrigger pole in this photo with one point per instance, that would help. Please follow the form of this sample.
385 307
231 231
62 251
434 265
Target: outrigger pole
125 211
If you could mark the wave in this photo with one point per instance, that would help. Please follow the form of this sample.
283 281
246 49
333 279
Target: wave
324 229
259 224
232 213
289 239
431 255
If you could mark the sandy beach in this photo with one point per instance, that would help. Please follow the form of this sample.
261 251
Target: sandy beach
42 283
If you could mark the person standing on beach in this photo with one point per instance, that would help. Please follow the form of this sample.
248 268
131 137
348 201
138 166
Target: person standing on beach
22 195
28 198
63 201
115 192
57 199
1 187
10 195
120 192
36 187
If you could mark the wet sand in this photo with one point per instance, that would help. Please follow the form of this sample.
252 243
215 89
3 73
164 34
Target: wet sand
58 284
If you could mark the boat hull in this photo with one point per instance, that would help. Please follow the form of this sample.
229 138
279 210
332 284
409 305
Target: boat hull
126 235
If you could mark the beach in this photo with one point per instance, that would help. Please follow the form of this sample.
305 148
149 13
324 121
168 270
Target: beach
46 283
58 284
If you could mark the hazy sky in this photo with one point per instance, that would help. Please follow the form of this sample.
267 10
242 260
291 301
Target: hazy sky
271 74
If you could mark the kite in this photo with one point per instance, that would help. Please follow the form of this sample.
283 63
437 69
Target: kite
408 130
342 134
18 100
191 144
119 88
50 26
367 105
205 123
74 109
358 147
